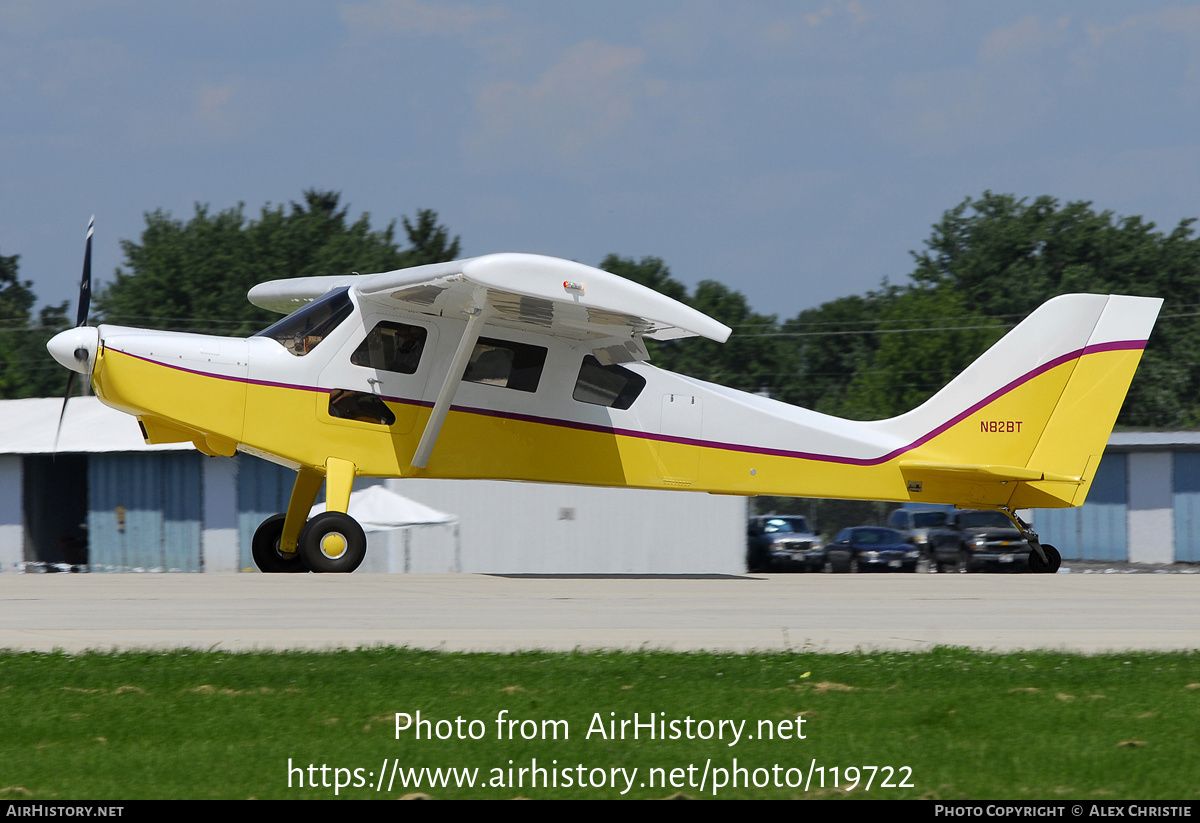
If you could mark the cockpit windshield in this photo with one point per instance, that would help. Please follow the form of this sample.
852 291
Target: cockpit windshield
302 330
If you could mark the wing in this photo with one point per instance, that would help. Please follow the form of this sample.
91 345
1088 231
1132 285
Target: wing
526 291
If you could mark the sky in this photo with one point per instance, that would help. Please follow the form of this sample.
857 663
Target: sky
795 151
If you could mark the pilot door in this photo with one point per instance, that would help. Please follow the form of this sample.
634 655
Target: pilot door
379 376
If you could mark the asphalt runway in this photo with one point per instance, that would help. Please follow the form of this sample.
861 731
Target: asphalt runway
1086 613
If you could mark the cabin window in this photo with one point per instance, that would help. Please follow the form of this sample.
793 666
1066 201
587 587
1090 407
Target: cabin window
610 386
346 404
394 347
304 329
506 364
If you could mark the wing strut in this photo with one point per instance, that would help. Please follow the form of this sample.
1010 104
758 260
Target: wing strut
453 377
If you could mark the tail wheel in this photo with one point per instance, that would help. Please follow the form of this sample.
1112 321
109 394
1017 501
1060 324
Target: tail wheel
333 543
1049 565
265 548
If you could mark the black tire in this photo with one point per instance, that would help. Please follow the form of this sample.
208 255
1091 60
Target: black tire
333 543
265 548
1037 566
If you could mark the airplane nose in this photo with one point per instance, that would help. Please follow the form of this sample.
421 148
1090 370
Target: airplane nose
76 348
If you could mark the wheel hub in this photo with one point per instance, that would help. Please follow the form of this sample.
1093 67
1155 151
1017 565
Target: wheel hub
333 545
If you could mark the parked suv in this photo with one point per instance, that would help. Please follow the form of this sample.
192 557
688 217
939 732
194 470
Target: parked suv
920 527
783 542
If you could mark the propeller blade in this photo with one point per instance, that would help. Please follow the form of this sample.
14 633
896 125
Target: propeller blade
81 317
85 282
63 413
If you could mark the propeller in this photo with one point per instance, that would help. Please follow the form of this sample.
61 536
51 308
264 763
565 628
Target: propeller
85 282
74 348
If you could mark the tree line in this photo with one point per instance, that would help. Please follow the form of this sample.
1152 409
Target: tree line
987 263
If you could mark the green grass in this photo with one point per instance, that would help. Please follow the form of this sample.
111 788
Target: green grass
969 725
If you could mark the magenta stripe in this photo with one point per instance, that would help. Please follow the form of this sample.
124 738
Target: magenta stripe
1118 345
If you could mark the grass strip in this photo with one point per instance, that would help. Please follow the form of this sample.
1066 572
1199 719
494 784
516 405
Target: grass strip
948 724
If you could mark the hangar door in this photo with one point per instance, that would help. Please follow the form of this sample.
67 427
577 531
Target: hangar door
145 512
1186 487
1097 530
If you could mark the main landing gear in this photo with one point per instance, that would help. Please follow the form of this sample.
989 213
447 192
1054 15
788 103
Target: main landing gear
331 542
1043 558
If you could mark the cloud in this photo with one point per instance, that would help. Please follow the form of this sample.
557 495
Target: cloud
576 105
1011 86
1029 34
211 102
1174 19
416 17
816 18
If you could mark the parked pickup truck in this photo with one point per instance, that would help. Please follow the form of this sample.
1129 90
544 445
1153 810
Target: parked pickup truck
975 540
783 542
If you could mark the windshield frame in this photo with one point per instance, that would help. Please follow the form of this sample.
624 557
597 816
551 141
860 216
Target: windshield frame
304 329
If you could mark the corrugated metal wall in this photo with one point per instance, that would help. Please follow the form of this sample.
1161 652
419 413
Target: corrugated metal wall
1185 483
263 490
144 512
1097 529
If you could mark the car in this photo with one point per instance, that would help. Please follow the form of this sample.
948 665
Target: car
983 539
783 542
872 548
921 527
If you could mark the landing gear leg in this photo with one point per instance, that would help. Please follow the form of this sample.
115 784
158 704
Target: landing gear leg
274 544
304 494
334 542
1043 558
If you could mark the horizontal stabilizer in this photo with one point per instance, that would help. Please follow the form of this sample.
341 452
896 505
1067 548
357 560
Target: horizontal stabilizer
978 473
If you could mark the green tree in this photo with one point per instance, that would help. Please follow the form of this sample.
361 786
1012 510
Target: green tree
26 368
1006 256
832 342
925 337
753 359
431 242
650 272
195 275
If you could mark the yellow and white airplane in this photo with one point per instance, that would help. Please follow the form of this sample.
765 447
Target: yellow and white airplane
523 367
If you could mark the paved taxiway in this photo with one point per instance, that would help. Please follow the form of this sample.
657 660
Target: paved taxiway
1088 613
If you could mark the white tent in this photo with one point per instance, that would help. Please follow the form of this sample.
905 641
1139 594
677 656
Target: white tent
88 427
403 535
378 510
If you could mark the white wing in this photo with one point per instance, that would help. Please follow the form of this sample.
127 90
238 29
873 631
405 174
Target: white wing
525 291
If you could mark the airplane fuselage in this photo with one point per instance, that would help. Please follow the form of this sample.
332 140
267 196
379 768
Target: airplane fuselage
259 396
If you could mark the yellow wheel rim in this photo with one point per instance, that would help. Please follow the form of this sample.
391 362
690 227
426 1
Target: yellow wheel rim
333 545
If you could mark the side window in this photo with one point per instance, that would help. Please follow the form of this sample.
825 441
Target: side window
611 386
394 347
506 364
356 405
